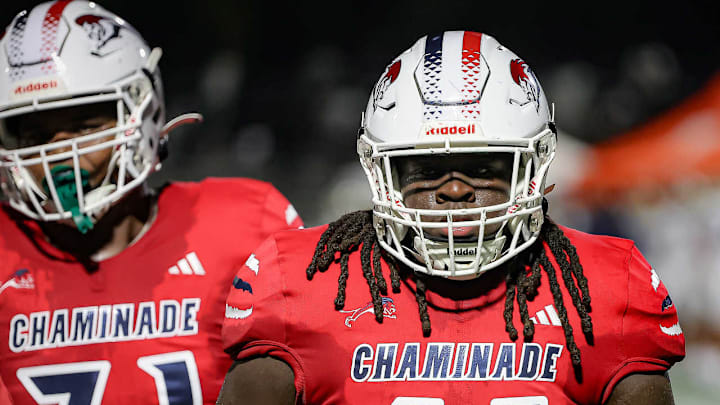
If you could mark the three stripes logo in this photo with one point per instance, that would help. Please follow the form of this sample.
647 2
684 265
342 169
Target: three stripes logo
190 264
546 316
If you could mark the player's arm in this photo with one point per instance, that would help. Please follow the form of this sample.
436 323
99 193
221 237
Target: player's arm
642 389
278 213
4 394
261 381
651 340
266 369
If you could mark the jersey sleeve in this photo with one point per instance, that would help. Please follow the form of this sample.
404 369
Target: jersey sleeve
278 213
652 340
4 394
256 313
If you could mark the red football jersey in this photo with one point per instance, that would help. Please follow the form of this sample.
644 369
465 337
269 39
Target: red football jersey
4 394
346 357
144 328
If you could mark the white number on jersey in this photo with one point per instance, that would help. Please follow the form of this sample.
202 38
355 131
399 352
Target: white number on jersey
83 383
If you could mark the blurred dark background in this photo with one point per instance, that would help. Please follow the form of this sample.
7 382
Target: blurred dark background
282 86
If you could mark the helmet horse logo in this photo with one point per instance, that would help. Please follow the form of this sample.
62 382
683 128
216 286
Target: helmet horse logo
391 73
524 77
100 30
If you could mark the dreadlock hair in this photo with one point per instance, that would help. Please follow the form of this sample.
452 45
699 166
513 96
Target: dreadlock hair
355 231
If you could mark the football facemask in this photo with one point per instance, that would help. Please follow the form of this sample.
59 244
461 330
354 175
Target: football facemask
457 93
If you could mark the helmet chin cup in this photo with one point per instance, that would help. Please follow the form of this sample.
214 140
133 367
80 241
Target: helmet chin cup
63 187
96 195
464 255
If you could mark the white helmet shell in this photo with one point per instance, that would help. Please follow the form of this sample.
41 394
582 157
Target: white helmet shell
69 53
452 93
63 47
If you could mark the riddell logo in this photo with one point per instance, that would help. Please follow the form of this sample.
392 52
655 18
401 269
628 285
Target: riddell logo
465 251
451 130
52 84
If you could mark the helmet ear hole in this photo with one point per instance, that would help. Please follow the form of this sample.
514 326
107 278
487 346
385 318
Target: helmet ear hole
163 148
157 115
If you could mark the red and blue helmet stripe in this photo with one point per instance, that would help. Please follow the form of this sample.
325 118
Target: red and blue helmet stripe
452 74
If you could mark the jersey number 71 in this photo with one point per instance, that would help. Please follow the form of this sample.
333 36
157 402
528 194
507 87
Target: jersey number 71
83 383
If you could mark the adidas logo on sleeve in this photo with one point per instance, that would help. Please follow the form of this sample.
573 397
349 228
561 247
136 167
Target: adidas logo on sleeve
189 265
546 316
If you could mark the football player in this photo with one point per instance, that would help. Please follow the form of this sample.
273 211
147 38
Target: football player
456 142
110 292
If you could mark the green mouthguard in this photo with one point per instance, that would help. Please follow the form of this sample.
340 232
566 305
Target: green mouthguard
63 178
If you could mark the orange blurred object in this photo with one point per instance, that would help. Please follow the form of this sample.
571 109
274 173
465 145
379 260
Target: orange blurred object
681 147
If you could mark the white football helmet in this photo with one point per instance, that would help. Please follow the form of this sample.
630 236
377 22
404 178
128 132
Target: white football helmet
71 53
458 92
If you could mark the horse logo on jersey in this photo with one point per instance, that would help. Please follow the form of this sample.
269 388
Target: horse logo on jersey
524 77
391 73
667 303
100 30
21 279
388 311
